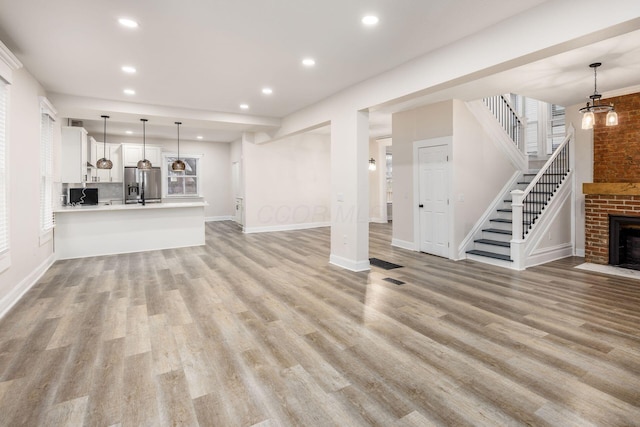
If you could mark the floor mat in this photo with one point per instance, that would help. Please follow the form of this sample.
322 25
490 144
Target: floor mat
383 264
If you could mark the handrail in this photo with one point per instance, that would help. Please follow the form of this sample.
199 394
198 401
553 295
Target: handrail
508 118
534 198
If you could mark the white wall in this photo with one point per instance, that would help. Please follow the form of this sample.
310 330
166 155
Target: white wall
583 145
215 164
287 183
29 258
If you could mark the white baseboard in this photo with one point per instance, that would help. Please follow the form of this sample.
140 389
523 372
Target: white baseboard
579 252
349 264
285 227
219 218
378 220
404 244
21 288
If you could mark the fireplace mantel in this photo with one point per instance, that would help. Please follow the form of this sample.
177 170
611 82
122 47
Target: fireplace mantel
613 188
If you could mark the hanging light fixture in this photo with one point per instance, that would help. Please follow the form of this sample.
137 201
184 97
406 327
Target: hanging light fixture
372 164
588 117
104 163
144 164
178 165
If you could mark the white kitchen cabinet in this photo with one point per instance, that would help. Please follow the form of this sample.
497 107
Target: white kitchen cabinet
114 153
132 153
74 153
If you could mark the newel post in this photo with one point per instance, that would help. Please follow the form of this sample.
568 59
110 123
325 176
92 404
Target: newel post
517 240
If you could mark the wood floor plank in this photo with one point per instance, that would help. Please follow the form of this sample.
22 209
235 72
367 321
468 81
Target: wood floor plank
260 330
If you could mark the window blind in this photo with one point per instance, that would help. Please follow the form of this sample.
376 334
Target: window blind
4 217
46 167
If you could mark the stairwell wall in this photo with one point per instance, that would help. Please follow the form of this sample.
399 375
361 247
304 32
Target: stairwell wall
480 171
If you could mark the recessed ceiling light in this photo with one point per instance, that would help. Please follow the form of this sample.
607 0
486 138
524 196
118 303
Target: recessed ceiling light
129 92
370 20
129 23
308 62
129 69
199 137
267 90
244 106
129 132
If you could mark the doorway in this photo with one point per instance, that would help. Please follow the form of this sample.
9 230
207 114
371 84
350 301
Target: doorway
433 199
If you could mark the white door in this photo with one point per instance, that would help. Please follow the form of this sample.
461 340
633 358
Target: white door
434 202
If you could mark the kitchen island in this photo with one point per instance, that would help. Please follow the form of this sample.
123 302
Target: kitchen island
86 231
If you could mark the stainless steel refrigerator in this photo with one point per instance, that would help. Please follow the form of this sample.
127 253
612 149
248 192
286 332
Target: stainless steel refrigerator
142 186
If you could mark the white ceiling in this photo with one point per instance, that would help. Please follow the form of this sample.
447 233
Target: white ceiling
211 55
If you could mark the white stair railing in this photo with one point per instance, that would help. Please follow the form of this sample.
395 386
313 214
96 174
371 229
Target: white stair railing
510 121
528 205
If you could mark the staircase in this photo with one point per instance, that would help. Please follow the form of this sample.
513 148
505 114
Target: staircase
506 235
495 240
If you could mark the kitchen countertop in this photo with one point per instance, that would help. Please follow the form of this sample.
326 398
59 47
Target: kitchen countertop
133 206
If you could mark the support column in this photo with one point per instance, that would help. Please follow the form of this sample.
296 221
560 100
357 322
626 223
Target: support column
350 190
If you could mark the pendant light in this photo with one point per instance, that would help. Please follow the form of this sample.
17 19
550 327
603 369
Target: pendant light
144 164
372 164
104 163
588 117
178 165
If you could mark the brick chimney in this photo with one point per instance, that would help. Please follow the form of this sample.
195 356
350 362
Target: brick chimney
616 175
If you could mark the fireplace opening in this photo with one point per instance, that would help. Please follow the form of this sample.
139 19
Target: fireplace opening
624 241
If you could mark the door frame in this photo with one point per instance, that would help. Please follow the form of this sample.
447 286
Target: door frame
426 143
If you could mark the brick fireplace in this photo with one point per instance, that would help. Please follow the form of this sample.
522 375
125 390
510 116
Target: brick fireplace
615 190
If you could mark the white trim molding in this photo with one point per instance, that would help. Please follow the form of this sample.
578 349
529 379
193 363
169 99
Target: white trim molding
8 63
14 295
219 218
405 244
349 264
285 227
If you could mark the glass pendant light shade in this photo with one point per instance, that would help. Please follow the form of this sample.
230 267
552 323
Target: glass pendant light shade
612 117
178 165
144 164
372 164
587 120
104 163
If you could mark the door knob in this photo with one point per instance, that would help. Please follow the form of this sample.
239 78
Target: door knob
421 205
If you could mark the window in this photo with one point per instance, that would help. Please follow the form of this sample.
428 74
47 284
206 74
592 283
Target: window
47 117
182 184
4 219
556 127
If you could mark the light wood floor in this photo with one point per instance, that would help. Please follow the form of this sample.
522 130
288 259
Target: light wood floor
260 330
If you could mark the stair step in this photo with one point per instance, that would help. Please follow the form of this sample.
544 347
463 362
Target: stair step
493 242
509 210
507 221
533 202
490 255
497 231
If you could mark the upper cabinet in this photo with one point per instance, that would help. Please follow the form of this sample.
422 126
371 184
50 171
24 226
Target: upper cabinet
74 155
113 153
132 153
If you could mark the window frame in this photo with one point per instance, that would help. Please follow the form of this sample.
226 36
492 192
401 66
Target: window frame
48 116
5 241
8 64
167 159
